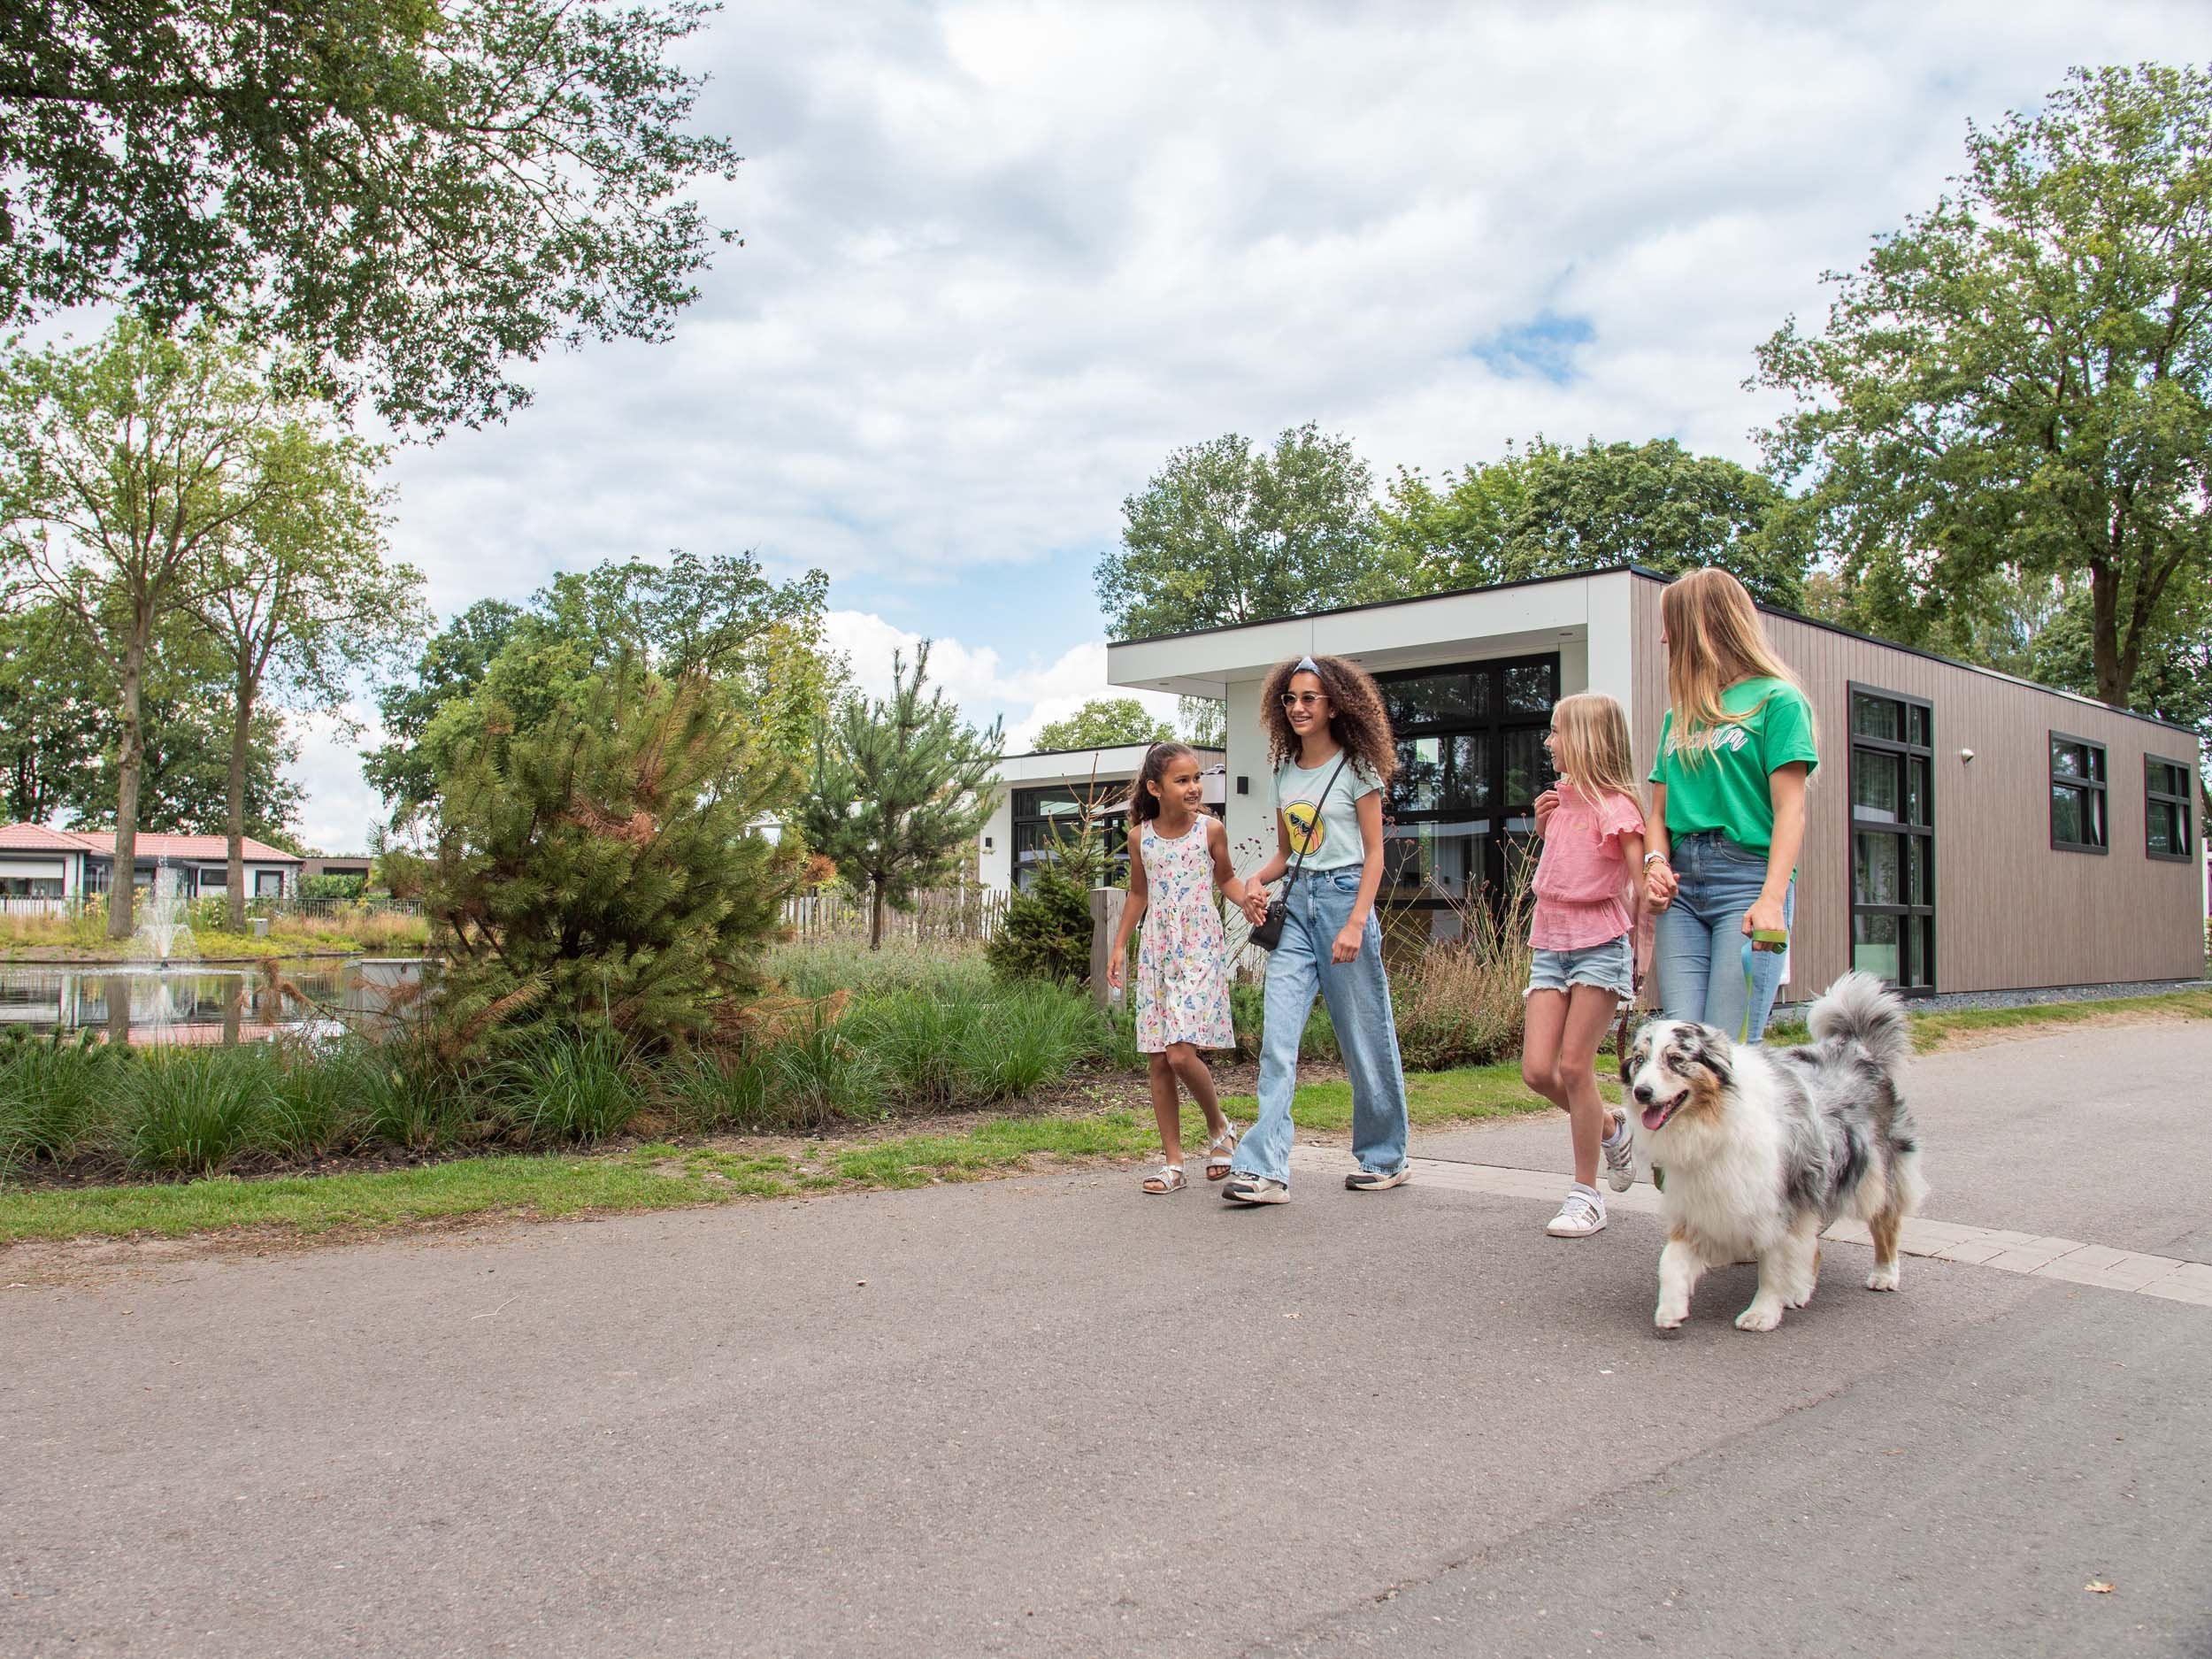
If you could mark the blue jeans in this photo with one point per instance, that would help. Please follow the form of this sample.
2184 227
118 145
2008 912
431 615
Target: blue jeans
1358 995
1699 948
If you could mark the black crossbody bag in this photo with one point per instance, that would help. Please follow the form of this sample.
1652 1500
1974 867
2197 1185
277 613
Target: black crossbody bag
1269 934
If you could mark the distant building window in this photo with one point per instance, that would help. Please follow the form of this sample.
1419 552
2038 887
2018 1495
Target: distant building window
30 887
1892 837
268 883
1044 816
2166 808
2077 795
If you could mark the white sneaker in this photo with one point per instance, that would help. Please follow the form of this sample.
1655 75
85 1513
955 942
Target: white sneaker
1620 1154
1581 1215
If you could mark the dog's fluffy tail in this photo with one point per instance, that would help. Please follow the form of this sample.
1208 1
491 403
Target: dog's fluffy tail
1860 1009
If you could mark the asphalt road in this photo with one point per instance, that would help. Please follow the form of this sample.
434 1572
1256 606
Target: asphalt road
1060 1417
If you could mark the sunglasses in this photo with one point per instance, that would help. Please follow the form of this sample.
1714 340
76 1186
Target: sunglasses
1303 699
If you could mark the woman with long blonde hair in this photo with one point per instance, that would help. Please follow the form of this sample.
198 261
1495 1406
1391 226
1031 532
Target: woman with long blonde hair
1582 938
1727 821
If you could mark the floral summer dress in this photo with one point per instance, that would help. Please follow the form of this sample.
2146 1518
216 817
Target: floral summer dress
1183 960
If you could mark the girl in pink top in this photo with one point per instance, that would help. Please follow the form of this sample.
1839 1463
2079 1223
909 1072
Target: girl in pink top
1584 932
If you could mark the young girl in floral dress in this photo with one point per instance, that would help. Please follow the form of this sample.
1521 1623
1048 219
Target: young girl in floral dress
1180 854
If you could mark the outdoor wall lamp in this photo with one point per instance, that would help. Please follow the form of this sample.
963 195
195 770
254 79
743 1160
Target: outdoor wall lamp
1966 754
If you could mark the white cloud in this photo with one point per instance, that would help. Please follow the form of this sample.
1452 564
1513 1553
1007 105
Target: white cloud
979 681
1001 259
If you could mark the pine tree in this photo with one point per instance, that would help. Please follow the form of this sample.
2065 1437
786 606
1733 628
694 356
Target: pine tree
902 785
1046 931
602 866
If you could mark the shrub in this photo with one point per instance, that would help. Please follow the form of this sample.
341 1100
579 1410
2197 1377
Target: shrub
410 1098
193 1110
57 1097
1046 931
567 1086
1247 1011
1459 1002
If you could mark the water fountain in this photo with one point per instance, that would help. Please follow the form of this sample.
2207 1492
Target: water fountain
162 931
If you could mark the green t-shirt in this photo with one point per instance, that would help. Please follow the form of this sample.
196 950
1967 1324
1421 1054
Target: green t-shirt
1329 836
1725 787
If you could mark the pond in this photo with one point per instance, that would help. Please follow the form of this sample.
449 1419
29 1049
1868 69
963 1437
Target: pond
173 1001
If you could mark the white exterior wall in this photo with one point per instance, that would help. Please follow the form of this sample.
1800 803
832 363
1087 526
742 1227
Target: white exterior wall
995 854
1585 620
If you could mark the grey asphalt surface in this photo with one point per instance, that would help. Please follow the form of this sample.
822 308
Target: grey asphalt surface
1061 1418
2101 1134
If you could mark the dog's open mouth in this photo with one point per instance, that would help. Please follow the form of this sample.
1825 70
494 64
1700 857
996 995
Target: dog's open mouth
1655 1115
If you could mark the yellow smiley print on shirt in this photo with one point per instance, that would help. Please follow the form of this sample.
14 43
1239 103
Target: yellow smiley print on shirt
1307 832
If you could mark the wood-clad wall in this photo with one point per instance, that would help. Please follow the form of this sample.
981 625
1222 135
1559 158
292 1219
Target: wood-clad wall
2010 911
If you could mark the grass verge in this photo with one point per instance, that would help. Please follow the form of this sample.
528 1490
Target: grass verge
667 1176
1931 1031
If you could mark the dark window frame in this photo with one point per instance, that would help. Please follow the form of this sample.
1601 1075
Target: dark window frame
2097 791
1108 801
1496 723
2153 797
1906 751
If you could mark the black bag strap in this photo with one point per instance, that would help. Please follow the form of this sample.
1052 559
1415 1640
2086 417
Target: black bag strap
1320 800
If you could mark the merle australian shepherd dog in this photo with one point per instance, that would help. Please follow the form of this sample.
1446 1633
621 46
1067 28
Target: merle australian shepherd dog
1762 1147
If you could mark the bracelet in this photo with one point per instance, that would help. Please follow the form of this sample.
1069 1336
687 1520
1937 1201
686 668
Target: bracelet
1653 858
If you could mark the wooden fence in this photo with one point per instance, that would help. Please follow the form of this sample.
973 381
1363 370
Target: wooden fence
971 912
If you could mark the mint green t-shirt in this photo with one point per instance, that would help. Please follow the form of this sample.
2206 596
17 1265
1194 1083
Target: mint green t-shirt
1725 787
1329 838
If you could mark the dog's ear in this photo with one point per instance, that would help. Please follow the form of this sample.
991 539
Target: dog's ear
1711 1049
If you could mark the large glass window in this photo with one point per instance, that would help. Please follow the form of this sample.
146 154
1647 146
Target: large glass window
2166 808
1042 815
2078 822
1892 838
1471 764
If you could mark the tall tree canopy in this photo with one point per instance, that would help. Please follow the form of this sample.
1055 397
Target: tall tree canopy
720 617
1102 723
413 195
1549 510
2018 379
1225 533
125 466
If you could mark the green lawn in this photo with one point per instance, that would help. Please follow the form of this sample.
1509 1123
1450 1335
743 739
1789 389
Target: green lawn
669 1177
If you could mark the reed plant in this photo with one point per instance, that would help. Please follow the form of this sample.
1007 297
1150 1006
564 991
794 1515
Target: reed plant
819 1074
709 1094
564 1087
947 969
194 1111
1032 1036
57 1097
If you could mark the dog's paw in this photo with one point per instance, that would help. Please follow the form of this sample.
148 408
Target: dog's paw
1883 1278
1759 1317
1669 1318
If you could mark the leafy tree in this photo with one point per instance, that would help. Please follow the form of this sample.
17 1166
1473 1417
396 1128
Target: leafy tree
1102 723
301 597
901 786
2022 377
413 195
1203 722
1226 533
452 666
1551 510
601 866
50 714
124 466
720 615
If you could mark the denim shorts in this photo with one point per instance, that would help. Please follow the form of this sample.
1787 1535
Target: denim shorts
1611 966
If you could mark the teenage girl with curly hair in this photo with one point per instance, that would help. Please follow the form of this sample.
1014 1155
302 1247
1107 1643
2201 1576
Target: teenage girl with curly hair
1329 747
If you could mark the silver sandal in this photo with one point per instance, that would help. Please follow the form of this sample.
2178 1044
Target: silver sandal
1220 1155
1169 1177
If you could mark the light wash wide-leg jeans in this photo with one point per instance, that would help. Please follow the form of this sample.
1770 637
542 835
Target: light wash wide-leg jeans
1358 997
1698 945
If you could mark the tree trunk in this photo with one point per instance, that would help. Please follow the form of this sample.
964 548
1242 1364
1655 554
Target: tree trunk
122 890
235 804
2104 635
875 916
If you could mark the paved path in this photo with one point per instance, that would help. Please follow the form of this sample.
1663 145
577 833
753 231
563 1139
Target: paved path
1059 1418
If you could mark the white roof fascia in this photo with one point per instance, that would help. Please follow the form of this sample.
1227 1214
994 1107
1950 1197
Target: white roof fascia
1528 617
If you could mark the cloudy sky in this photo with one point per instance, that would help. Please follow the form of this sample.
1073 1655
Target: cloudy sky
1001 259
